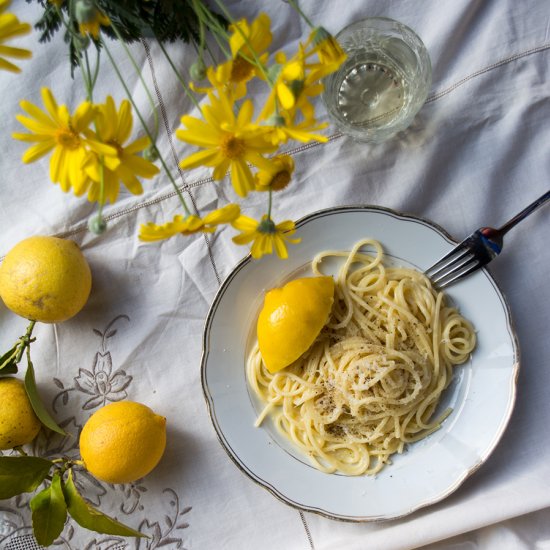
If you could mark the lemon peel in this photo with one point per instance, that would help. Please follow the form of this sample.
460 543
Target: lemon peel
19 424
291 318
122 442
45 279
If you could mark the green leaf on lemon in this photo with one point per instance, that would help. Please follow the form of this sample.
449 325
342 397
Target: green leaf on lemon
89 517
8 361
49 512
37 405
21 474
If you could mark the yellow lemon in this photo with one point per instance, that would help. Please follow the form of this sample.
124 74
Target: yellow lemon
45 279
291 318
122 442
18 423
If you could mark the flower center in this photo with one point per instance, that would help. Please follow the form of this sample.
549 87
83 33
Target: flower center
241 70
67 138
280 180
115 145
267 226
232 147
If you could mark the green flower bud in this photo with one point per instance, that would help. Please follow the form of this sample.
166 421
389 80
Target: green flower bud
275 120
151 153
85 11
97 225
198 70
80 42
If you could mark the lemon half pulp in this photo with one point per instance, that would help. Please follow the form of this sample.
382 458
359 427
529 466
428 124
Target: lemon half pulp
291 319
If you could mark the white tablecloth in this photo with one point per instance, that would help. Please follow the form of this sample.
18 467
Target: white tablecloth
476 153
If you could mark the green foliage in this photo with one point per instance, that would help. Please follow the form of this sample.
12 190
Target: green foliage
49 512
59 497
166 20
21 474
8 361
36 403
89 517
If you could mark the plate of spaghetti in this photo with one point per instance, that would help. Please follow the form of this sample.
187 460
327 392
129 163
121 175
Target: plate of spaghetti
405 391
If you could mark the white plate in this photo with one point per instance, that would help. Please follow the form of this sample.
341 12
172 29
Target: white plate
482 393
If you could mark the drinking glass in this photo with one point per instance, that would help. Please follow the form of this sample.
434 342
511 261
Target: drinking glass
382 84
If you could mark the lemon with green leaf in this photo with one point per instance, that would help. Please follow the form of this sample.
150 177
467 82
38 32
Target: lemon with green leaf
19 424
122 442
45 279
291 318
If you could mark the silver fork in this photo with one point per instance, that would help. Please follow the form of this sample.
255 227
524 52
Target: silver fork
476 250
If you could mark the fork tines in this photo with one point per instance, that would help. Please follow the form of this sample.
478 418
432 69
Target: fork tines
458 263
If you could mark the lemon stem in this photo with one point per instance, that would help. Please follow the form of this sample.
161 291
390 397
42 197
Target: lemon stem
20 450
25 341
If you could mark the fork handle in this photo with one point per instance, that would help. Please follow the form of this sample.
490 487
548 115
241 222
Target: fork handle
524 213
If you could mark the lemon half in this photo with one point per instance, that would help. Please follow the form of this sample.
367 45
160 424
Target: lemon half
291 318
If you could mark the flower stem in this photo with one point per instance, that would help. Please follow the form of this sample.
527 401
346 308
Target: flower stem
140 76
207 18
179 77
298 10
101 200
145 127
269 203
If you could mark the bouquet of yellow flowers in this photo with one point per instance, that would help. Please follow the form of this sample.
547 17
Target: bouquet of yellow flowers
92 152
90 148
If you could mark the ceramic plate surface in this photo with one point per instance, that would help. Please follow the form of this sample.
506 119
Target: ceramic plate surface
482 392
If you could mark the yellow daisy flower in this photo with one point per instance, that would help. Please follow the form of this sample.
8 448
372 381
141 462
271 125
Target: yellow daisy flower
245 42
296 82
288 84
67 136
10 26
330 53
278 176
265 235
114 128
191 224
286 128
229 142
298 78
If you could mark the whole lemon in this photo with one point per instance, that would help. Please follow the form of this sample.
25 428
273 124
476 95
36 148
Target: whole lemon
45 279
291 318
122 442
18 423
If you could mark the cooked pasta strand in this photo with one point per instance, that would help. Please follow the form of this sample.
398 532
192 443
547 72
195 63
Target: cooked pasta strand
372 380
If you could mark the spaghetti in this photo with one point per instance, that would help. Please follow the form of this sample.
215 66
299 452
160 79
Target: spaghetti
372 380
